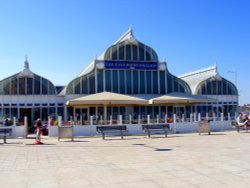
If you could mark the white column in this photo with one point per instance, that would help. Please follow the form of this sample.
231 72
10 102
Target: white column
183 118
166 118
191 117
221 116
60 121
71 120
49 121
207 116
101 120
157 119
26 126
14 121
120 119
199 117
148 119
130 119
139 119
174 118
25 121
175 123
110 120
195 116
213 116
228 115
91 120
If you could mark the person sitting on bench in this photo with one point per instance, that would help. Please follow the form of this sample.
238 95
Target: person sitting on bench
243 120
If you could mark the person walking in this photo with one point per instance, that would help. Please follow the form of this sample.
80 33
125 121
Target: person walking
38 125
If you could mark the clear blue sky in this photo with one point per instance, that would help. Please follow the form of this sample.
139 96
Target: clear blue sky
61 37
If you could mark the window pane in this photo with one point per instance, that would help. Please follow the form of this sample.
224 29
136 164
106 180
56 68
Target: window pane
108 80
44 114
14 86
122 81
115 81
37 85
22 86
135 82
121 52
100 80
29 86
114 53
52 90
149 84
155 82
85 85
128 52
148 54
129 84
92 83
77 86
162 82
135 53
142 82
44 86
141 52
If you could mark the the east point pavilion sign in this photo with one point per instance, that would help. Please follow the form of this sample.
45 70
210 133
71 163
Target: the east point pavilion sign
131 65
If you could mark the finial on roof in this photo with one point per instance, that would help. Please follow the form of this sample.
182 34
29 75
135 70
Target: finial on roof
26 63
26 70
128 36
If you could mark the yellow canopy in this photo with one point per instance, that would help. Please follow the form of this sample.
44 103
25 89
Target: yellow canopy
107 98
181 98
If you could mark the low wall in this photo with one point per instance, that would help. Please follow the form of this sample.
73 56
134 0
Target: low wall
135 129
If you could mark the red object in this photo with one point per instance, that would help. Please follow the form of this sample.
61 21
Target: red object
38 143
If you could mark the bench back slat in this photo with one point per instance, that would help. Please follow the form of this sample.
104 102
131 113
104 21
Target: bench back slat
6 131
156 126
111 128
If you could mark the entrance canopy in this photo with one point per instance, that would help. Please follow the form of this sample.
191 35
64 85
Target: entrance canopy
107 98
181 98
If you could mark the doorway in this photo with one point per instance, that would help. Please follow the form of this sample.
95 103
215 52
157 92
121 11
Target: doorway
27 112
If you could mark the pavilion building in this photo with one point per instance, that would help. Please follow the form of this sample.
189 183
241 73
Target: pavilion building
128 69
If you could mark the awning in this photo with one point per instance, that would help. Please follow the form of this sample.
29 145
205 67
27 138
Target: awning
181 98
107 98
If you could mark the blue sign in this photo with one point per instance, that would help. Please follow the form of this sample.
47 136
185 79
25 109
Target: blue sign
131 65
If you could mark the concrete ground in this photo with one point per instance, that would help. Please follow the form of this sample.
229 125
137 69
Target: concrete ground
182 160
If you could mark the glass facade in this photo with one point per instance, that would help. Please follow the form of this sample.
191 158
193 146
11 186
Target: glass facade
36 85
216 87
133 82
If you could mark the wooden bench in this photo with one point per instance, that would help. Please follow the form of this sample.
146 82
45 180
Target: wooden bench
238 127
150 128
111 129
4 132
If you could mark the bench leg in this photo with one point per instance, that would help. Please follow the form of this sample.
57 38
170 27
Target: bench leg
149 134
166 133
103 136
4 139
238 129
122 135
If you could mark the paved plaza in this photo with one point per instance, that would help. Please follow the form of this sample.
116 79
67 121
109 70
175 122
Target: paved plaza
181 160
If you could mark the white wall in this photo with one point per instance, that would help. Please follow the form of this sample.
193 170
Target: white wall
183 127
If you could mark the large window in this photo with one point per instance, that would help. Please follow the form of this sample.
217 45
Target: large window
213 86
100 80
142 82
135 82
115 81
108 80
25 85
130 51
